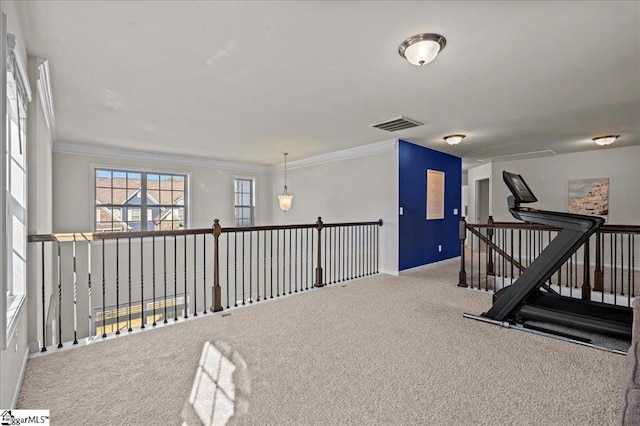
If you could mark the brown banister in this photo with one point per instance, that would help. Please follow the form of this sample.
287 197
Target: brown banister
319 282
586 283
597 273
615 272
505 255
351 250
217 292
462 234
490 267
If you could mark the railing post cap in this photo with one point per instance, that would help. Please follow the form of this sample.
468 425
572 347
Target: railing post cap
217 229
380 222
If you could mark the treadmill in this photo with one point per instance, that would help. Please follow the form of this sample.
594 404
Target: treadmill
524 300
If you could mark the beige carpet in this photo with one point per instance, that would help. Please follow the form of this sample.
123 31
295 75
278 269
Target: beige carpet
380 350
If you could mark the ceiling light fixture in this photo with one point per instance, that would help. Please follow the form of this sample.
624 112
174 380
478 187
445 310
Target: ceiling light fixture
605 140
422 48
454 139
285 199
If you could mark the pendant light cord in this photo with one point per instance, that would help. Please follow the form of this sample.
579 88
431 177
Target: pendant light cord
285 171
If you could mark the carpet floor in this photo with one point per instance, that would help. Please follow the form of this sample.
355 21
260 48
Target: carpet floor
380 350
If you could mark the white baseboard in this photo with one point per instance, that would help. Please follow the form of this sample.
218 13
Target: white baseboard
430 265
389 272
23 369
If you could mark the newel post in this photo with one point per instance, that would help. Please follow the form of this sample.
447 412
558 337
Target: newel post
217 294
586 273
490 267
319 282
462 232
597 274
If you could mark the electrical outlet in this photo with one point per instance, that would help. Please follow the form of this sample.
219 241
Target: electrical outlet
455 212
401 211
439 248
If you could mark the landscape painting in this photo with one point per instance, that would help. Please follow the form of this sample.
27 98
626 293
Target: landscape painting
589 197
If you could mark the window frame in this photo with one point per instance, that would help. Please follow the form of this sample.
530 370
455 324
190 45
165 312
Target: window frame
252 198
13 305
144 171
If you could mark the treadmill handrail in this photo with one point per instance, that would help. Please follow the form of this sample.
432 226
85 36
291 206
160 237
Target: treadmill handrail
577 222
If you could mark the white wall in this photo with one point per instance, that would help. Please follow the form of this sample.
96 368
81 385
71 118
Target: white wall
211 190
548 179
13 358
361 189
475 174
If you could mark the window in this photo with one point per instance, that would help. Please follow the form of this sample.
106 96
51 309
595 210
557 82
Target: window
128 201
14 183
243 191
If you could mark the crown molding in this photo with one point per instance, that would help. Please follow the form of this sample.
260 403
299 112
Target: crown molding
345 154
81 149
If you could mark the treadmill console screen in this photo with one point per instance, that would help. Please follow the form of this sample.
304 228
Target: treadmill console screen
519 188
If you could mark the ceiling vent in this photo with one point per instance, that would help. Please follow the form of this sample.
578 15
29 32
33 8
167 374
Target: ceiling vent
521 156
396 124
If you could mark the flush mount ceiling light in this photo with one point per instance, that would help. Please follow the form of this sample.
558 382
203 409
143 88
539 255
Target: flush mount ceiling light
454 139
606 140
285 199
422 48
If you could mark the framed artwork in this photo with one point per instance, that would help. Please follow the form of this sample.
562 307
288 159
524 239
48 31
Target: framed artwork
435 194
589 197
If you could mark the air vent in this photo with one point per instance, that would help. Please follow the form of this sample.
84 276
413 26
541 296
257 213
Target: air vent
521 156
396 124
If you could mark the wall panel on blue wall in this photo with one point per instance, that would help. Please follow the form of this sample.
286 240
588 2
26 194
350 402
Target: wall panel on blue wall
419 238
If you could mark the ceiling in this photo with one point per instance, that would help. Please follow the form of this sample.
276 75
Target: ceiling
247 81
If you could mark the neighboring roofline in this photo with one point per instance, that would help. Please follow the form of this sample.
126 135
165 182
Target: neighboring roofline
134 193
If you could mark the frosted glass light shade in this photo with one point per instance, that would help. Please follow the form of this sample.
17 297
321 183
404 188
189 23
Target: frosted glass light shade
605 140
285 201
422 48
422 52
453 139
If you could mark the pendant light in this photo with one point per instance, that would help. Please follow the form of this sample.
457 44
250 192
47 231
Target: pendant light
285 199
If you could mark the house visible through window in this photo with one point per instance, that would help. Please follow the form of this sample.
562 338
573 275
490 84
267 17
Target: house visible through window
139 201
243 189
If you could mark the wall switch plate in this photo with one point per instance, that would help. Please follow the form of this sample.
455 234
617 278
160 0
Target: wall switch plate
455 212
401 211
439 248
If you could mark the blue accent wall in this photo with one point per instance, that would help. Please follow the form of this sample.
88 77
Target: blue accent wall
419 238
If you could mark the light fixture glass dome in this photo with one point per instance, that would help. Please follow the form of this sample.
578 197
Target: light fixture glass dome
454 139
605 140
285 201
422 48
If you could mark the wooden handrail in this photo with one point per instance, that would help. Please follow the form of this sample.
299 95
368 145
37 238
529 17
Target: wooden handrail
95 236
